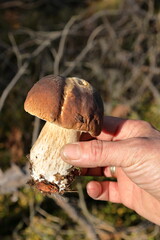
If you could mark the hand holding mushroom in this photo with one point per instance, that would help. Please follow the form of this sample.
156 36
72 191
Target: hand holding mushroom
69 106
133 147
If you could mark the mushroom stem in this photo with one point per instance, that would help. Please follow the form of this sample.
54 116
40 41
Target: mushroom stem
48 170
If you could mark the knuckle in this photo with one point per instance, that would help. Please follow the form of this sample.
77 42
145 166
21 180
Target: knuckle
141 128
96 151
140 147
141 124
144 124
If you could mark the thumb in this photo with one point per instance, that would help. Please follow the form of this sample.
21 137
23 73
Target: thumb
97 153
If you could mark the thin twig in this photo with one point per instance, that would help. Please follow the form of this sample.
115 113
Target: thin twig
62 44
12 83
16 50
90 44
92 219
74 215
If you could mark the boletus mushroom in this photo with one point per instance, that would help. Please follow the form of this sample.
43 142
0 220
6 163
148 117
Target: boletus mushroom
69 106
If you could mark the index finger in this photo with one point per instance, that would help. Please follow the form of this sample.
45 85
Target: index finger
111 127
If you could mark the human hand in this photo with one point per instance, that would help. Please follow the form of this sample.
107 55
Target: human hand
133 146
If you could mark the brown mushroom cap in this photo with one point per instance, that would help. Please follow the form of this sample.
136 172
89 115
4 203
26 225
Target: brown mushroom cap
69 102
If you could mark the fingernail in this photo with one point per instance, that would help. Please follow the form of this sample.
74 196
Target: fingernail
71 151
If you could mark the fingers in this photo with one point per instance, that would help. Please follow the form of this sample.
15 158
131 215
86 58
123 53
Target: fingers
106 191
132 197
108 150
116 128
111 127
96 153
122 191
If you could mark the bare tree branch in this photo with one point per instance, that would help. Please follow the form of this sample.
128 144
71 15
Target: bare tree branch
74 215
62 44
15 79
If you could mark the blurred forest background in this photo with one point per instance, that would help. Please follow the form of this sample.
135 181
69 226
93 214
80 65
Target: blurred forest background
115 45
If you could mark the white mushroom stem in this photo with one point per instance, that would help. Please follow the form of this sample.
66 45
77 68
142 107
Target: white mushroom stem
46 162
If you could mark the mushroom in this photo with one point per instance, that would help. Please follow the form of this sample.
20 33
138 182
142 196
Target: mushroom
69 106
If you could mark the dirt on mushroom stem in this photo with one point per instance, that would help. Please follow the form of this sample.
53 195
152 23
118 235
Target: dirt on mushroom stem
49 172
50 188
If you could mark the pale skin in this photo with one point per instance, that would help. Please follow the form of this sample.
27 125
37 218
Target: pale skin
133 146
